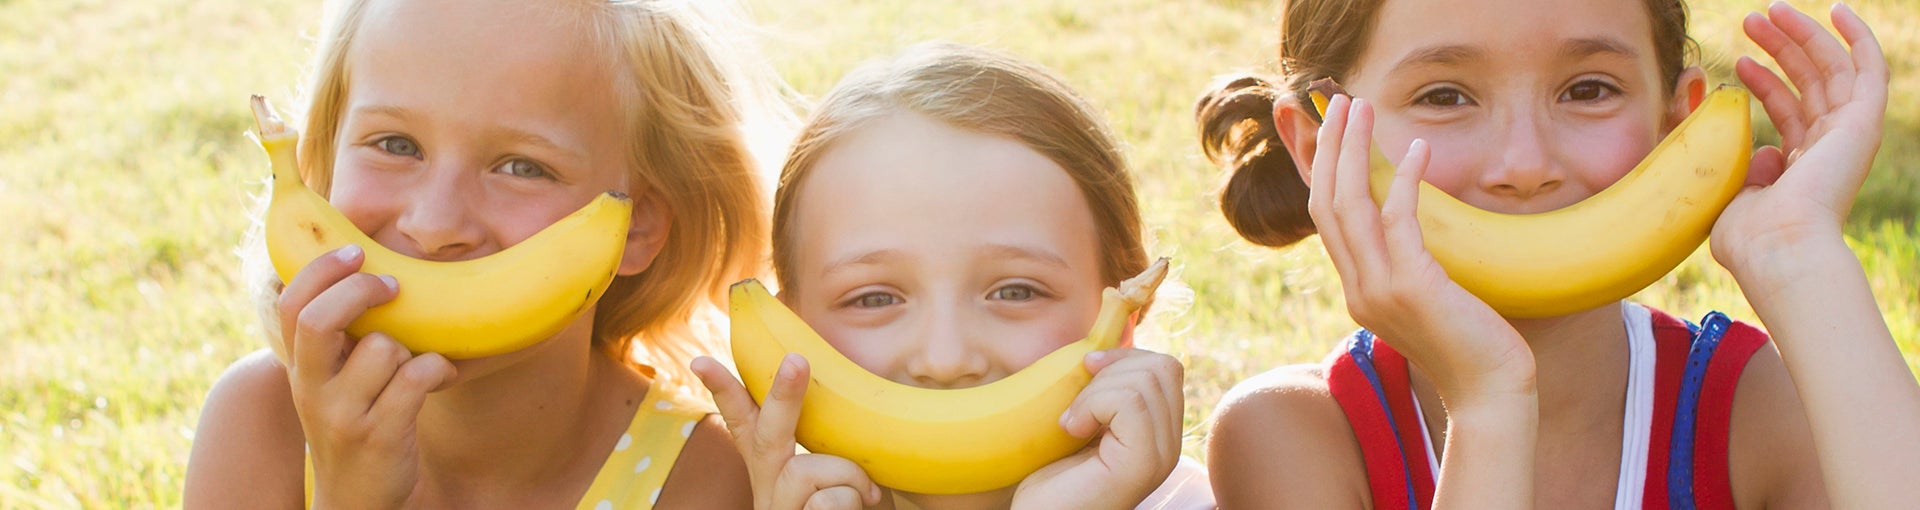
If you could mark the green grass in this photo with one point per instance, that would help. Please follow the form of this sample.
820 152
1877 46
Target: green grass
124 175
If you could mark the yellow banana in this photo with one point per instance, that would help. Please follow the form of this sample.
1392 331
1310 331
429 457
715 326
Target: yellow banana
464 309
930 441
1603 248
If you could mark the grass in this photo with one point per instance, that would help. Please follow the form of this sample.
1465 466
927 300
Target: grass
123 175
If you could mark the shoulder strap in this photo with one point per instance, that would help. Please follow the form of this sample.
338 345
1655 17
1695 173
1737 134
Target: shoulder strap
1698 370
1364 394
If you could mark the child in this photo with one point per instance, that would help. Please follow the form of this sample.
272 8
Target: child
945 219
1530 105
449 130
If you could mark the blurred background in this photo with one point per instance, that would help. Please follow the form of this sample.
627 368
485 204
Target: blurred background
125 176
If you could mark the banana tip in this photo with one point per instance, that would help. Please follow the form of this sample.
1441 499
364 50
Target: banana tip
1140 287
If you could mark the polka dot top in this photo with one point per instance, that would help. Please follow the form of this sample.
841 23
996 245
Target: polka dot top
637 468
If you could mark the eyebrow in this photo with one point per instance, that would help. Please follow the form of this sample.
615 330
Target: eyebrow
990 251
1590 46
1009 251
1452 54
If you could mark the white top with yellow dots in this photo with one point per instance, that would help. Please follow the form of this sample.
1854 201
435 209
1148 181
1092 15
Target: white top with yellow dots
637 468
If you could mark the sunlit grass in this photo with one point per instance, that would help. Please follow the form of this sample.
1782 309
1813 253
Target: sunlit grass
123 175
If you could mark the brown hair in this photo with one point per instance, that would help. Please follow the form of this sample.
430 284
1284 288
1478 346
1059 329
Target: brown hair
986 92
693 98
1264 198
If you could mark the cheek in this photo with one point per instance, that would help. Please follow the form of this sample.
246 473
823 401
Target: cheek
362 196
1600 155
876 349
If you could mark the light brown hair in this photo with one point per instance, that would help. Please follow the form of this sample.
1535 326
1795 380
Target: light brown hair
1264 198
985 92
692 98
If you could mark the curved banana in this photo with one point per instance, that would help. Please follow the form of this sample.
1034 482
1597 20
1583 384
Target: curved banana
464 309
930 441
1603 248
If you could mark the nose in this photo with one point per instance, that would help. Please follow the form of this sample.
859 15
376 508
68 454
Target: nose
438 221
1524 167
948 355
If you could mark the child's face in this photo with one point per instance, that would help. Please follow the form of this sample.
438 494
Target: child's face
469 126
942 258
1529 105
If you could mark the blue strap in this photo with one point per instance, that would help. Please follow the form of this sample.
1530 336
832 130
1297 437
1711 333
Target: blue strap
1706 338
1361 350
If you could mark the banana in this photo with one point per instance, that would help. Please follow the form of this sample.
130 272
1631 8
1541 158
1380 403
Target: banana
930 441
464 309
1603 248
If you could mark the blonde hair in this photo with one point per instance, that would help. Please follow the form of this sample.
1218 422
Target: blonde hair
985 92
695 103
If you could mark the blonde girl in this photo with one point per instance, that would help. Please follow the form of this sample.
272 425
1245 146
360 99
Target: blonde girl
947 217
1530 105
449 130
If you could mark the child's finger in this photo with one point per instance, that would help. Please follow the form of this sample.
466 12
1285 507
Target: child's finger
308 283
780 413
1868 61
736 405
1776 97
1399 217
1831 59
369 369
807 475
1793 60
398 408
320 337
1767 166
1353 198
1323 188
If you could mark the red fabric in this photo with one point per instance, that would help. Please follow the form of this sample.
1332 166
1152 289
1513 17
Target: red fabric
1386 475
1392 369
1712 488
1671 340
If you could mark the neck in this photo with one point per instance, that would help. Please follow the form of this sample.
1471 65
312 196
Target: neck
1581 365
517 418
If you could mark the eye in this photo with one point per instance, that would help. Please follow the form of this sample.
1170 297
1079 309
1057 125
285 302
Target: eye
875 300
523 168
398 146
1013 293
1588 91
1442 97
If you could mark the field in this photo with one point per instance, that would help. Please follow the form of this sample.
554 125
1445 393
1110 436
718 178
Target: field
124 177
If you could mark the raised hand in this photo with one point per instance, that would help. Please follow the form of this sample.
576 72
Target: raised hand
1393 285
1134 406
1829 133
359 400
783 479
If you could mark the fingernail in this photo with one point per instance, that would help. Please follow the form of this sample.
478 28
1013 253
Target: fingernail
789 365
347 253
873 493
1096 356
1066 419
392 284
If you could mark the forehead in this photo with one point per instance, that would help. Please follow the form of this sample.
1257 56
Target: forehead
906 173
1503 29
511 55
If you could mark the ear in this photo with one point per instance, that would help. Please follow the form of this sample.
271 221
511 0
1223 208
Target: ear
646 232
1297 131
1688 91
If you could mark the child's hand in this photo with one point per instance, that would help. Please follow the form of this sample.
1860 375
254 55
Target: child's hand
358 400
1393 285
764 436
1802 190
1134 403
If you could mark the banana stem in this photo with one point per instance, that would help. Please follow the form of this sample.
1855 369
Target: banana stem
1138 289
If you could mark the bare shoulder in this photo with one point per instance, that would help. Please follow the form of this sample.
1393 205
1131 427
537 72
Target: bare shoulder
1770 459
1280 439
709 472
248 450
